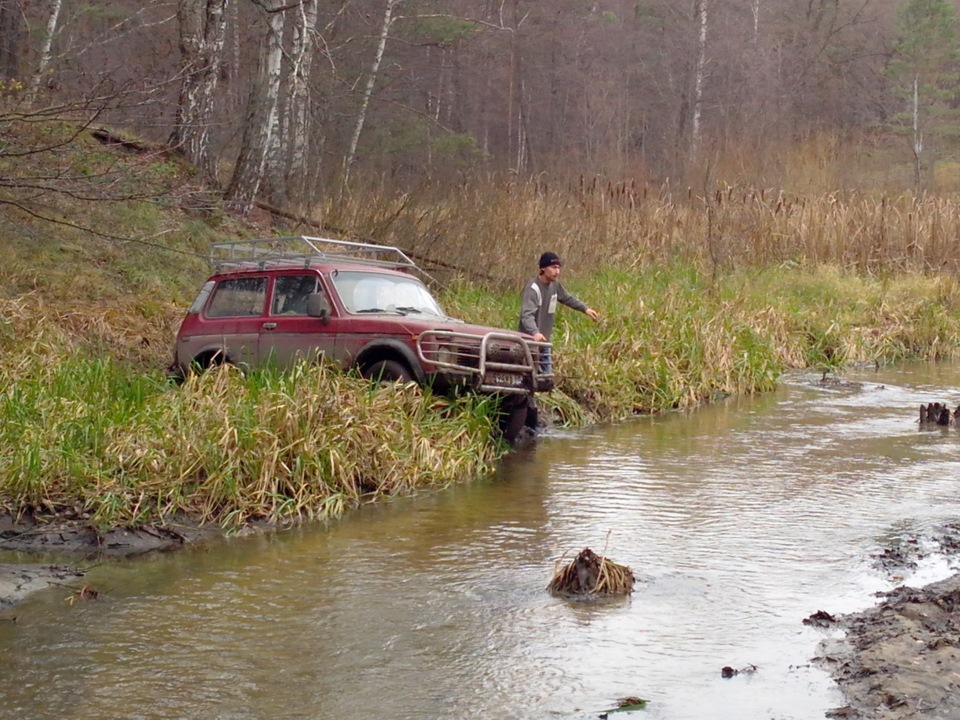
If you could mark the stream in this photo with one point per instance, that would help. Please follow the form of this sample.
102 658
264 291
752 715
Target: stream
738 520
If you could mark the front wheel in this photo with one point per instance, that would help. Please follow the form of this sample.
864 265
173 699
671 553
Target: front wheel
388 371
513 416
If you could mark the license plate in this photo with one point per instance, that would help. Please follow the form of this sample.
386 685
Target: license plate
506 379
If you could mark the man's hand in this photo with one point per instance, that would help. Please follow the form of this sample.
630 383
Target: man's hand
592 314
539 337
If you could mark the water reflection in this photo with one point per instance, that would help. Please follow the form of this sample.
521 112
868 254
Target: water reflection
739 520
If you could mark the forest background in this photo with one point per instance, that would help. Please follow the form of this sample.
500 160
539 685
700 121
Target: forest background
742 186
289 101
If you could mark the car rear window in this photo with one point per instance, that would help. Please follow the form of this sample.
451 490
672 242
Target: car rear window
238 297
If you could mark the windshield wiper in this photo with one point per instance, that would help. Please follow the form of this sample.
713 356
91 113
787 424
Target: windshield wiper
419 311
391 310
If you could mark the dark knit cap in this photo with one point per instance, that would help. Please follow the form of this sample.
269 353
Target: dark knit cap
549 258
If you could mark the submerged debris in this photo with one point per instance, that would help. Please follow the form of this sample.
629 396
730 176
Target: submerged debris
820 618
84 593
627 704
728 672
830 380
589 575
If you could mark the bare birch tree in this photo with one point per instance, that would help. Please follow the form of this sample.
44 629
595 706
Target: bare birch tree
46 50
385 28
260 123
295 146
700 13
202 35
917 139
924 67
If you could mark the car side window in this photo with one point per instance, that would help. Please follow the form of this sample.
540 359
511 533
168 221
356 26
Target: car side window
291 292
238 297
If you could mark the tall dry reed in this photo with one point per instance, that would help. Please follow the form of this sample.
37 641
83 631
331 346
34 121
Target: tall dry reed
493 230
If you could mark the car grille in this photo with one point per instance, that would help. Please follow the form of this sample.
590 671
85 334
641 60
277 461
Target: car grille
497 362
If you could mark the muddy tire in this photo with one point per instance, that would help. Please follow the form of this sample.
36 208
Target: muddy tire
206 361
388 371
513 418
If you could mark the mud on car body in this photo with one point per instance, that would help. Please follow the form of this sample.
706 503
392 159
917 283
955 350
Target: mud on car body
357 305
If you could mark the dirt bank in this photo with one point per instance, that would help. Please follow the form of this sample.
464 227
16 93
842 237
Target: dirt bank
899 659
80 539
76 541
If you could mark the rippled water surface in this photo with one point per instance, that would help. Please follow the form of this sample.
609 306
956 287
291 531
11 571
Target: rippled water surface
739 520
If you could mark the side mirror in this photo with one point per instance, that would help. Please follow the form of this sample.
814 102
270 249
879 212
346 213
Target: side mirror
318 306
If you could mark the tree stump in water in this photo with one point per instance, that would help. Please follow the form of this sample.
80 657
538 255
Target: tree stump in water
938 414
591 575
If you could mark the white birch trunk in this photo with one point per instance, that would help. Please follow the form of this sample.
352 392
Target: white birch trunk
262 120
388 20
695 132
917 132
46 51
297 139
202 39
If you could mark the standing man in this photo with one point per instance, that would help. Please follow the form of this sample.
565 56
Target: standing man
538 305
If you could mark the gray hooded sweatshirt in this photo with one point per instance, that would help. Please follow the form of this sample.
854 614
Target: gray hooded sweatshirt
538 305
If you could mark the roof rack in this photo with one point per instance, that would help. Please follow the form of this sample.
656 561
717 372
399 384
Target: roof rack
302 251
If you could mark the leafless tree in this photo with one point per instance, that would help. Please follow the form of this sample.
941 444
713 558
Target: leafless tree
260 125
696 138
299 95
300 131
385 29
202 36
11 38
46 47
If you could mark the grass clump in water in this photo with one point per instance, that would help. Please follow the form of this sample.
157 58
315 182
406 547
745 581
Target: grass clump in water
590 575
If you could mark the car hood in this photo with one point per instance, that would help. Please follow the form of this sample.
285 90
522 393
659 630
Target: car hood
417 324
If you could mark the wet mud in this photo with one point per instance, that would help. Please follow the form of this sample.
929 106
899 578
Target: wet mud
76 543
900 659
81 539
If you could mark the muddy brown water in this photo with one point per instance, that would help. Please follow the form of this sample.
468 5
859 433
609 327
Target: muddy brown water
739 521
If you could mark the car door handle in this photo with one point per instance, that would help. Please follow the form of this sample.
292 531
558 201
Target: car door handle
269 326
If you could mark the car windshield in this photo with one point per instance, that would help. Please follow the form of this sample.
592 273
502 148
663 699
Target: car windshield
372 292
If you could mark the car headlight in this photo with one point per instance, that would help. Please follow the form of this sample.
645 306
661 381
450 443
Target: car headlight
447 354
509 353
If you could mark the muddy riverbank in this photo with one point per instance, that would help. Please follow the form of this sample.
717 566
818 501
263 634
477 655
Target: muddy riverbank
899 659
75 544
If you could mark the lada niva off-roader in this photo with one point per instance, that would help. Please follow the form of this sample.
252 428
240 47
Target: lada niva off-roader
357 305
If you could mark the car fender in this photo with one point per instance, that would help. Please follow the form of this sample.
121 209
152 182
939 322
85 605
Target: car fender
209 349
386 348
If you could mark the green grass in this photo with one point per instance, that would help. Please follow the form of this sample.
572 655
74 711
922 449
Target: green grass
672 337
95 439
88 431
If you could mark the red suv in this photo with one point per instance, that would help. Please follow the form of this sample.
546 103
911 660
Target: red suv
359 305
